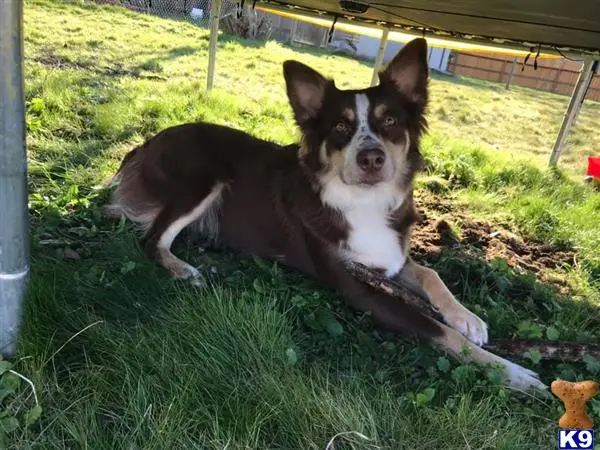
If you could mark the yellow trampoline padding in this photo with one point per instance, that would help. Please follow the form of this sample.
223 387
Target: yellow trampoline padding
397 36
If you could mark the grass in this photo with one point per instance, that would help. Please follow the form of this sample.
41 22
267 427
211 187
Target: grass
520 123
123 357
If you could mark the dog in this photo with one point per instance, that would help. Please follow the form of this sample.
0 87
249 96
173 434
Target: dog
343 193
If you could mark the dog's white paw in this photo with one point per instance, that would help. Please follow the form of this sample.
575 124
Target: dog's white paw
197 280
519 377
184 271
468 324
195 277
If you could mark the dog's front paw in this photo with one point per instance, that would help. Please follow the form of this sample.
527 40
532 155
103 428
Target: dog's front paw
468 324
521 378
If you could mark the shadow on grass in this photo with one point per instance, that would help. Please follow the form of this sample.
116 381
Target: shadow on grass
183 51
87 268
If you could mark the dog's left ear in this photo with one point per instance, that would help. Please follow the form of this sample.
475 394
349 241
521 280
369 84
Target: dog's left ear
306 90
409 71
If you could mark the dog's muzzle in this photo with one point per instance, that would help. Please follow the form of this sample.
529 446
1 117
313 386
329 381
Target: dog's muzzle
371 162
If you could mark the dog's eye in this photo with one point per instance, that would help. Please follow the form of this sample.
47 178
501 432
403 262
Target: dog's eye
390 121
341 127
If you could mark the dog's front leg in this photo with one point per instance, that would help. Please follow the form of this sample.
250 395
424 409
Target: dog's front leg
455 314
396 315
515 375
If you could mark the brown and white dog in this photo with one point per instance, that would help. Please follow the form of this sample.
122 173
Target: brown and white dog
343 193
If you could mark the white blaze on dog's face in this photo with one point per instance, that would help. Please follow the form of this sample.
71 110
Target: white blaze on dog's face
363 138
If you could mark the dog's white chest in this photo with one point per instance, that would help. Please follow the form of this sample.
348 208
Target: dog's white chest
371 241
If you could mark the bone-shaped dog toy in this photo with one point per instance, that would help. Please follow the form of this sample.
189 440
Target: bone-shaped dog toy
574 396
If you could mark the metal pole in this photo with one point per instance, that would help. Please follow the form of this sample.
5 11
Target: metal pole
585 77
324 42
293 31
14 242
511 74
587 88
379 58
440 68
215 13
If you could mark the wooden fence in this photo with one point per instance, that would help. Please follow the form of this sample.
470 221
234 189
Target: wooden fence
557 75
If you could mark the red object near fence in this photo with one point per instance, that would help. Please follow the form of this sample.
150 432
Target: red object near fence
594 166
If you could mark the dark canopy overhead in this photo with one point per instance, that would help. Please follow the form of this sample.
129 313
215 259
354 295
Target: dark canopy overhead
569 25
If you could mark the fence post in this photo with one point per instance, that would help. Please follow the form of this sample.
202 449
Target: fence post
558 72
215 13
513 67
380 54
14 241
585 77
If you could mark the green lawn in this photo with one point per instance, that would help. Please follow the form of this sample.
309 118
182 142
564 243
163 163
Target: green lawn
123 357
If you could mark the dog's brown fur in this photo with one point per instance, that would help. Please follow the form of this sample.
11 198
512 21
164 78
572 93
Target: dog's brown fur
345 192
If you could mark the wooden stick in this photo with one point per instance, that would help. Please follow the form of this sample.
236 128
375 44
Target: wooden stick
553 350
391 287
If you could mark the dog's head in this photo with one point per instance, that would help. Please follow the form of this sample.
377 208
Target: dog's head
362 138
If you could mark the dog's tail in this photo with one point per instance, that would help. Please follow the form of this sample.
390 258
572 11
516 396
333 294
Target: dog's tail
116 178
130 197
127 158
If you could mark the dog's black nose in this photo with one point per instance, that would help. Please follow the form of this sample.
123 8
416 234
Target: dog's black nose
370 159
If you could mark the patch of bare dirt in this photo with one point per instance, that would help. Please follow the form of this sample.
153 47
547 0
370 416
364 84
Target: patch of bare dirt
477 238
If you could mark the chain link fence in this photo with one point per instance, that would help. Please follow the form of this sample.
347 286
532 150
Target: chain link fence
272 26
197 11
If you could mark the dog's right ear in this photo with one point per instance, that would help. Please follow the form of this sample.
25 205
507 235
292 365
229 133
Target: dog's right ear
306 90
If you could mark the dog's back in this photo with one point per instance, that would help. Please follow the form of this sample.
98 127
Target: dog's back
179 166
241 192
